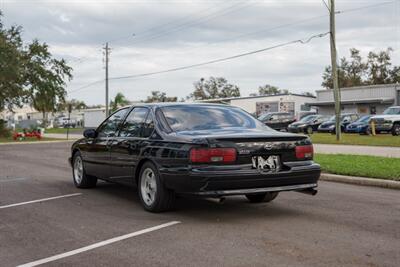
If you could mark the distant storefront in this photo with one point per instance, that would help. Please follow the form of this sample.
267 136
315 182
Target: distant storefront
371 99
257 105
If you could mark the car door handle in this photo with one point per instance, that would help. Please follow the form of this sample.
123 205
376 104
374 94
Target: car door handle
133 146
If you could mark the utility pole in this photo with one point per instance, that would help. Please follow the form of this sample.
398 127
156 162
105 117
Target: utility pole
336 92
107 50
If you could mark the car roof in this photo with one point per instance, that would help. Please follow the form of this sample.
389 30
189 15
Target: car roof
168 104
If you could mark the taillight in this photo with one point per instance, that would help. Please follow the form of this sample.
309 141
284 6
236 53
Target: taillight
304 152
209 155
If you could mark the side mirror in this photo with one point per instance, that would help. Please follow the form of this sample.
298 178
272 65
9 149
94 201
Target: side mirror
90 133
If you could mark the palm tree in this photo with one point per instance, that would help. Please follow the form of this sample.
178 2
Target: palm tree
119 101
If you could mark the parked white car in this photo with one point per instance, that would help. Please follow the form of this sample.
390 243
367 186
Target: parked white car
389 121
65 122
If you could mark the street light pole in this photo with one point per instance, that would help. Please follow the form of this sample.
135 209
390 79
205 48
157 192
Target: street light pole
336 92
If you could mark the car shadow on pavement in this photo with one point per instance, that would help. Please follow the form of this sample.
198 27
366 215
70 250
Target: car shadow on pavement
235 208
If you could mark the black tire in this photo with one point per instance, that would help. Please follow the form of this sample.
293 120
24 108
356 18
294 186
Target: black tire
163 199
84 181
309 130
262 197
396 129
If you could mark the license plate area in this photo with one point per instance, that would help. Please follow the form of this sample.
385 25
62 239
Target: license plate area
271 163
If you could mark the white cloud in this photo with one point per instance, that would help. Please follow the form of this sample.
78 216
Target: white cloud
178 33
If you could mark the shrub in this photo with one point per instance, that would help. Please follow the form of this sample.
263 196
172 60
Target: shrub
4 131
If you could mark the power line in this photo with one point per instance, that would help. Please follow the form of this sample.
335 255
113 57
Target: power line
326 5
221 59
174 21
208 62
86 86
277 27
194 22
364 7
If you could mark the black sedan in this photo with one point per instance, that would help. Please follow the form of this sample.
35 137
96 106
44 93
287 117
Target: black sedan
198 149
345 119
307 124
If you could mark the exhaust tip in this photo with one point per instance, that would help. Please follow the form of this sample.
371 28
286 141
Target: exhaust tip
309 191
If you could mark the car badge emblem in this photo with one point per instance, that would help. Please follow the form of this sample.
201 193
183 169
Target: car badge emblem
268 146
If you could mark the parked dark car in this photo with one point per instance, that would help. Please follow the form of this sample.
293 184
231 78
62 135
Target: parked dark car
277 120
345 119
308 124
360 126
199 149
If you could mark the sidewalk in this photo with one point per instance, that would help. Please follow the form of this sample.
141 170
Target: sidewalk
393 152
64 136
360 180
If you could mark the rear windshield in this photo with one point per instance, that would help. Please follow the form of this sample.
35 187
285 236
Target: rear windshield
308 118
364 118
392 111
206 117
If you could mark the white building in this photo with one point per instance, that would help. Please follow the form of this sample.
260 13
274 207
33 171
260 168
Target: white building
13 117
292 103
93 117
371 99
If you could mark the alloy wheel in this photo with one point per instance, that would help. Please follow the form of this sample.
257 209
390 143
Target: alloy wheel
148 186
78 170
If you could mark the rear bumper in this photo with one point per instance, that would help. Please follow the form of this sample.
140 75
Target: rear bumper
225 180
296 129
357 129
325 130
217 193
384 127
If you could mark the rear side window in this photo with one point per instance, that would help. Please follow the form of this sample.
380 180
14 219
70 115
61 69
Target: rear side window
133 124
148 126
207 117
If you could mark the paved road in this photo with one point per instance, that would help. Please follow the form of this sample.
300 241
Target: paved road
344 225
393 152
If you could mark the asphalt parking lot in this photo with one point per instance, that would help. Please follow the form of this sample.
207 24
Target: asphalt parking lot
344 225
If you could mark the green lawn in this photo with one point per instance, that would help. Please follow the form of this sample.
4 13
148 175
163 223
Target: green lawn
64 130
356 165
356 139
11 140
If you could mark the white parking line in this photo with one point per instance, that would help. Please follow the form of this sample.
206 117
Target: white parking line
38 200
96 245
6 179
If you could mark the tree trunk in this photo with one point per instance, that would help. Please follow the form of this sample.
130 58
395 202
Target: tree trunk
44 123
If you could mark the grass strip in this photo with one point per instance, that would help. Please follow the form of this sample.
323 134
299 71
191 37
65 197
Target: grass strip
360 165
356 139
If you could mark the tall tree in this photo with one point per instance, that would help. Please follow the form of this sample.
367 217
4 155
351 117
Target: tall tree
46 78
214 87
379 71
75 104
12 91
119 101
158 96
29 73
270 90
356 72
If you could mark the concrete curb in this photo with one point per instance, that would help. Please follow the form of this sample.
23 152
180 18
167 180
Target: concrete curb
35 142
360 181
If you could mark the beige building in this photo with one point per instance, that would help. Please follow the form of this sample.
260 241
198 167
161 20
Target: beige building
371 99
292 103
